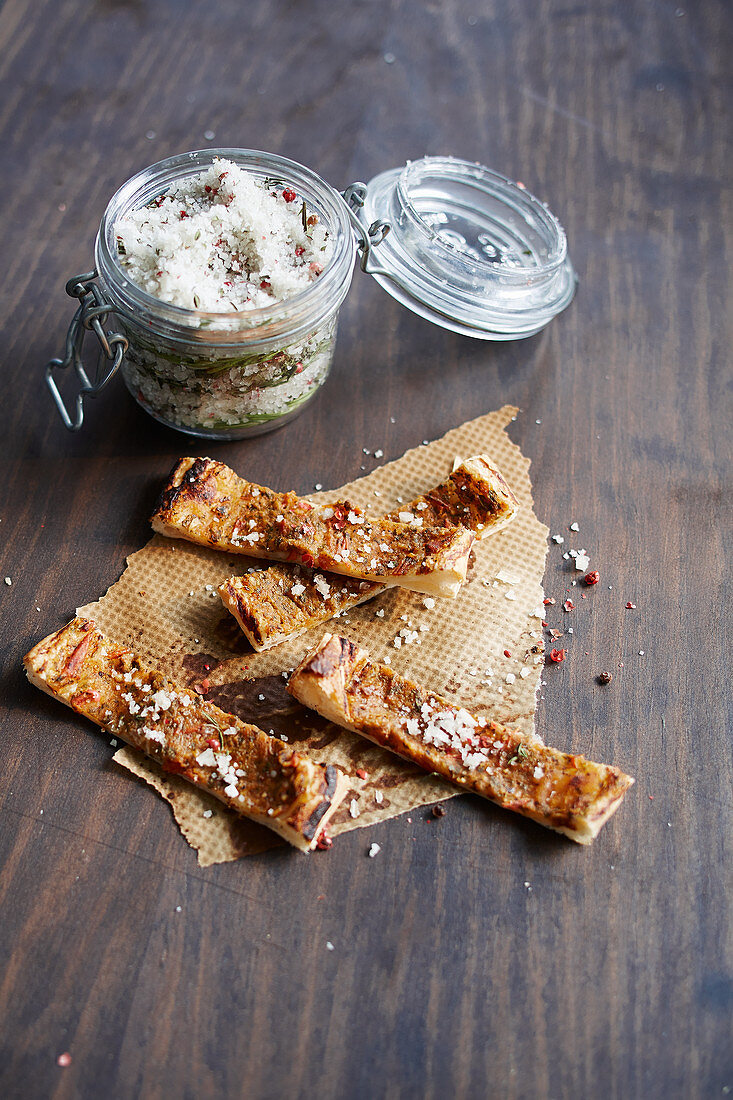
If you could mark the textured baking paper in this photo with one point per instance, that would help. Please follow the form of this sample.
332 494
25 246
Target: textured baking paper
166 607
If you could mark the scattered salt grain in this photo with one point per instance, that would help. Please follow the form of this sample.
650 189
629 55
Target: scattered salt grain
373 850
507 578
329 946
208 813
353 808
8 581
574 527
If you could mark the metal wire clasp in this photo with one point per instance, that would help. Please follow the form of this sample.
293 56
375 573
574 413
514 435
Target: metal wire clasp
92 311
354 196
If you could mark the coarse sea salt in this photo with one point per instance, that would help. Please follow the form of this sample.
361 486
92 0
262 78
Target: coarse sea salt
222 241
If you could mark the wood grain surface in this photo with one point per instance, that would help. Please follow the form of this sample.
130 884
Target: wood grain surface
477 956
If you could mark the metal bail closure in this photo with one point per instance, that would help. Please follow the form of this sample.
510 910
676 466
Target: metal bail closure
368 237
93 310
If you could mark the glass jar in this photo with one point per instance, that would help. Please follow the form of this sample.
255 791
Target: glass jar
461 245
227 375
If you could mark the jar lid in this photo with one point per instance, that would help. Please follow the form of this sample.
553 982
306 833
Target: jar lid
467 248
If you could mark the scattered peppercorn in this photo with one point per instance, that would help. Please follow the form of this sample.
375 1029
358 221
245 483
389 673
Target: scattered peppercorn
630 606
324 842
549 600
568 606
593 577
507 653
557 655
361 773
604 677
289 195
438 811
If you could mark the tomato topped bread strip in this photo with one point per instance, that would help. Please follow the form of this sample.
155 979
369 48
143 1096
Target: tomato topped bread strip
283 601
563 791
207 503
252 773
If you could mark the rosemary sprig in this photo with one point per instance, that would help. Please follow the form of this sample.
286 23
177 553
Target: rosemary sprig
218 728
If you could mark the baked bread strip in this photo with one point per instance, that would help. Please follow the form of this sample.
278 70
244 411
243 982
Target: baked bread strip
271 605
252 773
207 503
563 791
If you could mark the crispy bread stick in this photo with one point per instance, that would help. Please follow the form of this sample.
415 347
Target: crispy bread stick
565 792
207 503
252 773
283 601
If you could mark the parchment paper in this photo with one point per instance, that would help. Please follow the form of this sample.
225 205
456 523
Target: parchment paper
165 606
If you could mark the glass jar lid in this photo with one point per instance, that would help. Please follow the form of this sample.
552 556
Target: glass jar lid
467 248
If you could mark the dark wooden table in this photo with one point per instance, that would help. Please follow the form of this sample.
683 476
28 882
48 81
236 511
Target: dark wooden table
611 976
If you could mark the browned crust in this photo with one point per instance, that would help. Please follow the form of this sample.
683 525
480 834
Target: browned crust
475 496
207 503
268 612
113 687
562 791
